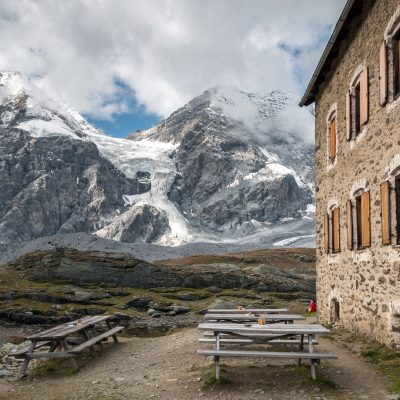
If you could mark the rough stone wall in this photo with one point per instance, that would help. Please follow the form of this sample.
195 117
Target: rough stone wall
365 282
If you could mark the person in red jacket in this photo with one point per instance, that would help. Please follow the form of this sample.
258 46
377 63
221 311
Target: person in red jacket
313 306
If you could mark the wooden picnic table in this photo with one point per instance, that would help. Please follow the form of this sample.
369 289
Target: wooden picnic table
255 311
59 338
267 334
271 318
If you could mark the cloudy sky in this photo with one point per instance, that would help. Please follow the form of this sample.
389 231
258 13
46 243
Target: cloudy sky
126 64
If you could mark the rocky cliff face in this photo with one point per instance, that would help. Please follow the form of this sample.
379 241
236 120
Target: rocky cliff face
225 167
70 265
52 179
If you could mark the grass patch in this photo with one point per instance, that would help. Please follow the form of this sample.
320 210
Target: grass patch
387 360
294 295
321 382
210 379
56 367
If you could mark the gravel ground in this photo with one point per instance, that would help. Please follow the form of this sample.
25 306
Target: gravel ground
168 368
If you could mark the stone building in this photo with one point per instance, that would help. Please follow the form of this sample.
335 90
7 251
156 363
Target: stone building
356 91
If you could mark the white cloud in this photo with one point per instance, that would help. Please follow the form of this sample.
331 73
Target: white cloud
166 51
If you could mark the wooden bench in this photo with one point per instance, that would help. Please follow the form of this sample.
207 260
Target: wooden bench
251 341
298 355
68 339
97 339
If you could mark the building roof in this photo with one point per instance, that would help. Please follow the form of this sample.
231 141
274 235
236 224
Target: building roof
351 8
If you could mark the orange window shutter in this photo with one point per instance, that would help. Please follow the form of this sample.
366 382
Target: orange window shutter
332 144
385 212
336 229
364 97
326 233
349 223
365 220
348 116
383 75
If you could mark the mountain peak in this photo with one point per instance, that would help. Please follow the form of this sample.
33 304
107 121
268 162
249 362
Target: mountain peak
25 106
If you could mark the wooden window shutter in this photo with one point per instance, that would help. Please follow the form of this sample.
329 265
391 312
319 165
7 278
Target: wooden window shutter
349 223
348 116
326 233
383 75
364 97
385 212
365 220
336 229
332 141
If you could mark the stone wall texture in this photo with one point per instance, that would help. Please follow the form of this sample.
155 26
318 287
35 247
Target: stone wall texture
365 283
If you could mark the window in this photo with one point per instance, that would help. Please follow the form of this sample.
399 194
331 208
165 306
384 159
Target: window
357 105
389 219
356 110
385 212
332 138
396 64
336 230
332 231
349 223
383 75
397 190
326 233
363 221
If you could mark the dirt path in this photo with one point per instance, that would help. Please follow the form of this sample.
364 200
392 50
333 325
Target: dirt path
168 368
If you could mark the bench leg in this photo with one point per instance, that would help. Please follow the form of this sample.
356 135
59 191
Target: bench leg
313 373
312 362
217 358
301 347
217 368
72 360
114 337
26 361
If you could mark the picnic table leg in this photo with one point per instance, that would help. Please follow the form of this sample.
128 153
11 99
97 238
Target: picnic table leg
26 361
114 337
312 362
94 333
87 336
73 362
216 358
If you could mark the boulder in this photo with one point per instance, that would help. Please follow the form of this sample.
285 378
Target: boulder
140 303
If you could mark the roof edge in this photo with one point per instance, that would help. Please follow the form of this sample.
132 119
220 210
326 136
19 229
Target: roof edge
308 97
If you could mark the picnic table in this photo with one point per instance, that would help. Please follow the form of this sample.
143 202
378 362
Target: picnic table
256 311
266 334
69 339
271 318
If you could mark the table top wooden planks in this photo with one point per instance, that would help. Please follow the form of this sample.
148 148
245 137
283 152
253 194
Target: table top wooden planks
281 329
245 317
69 328
247 310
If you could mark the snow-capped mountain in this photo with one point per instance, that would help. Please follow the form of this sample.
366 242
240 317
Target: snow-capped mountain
227 166
243 162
